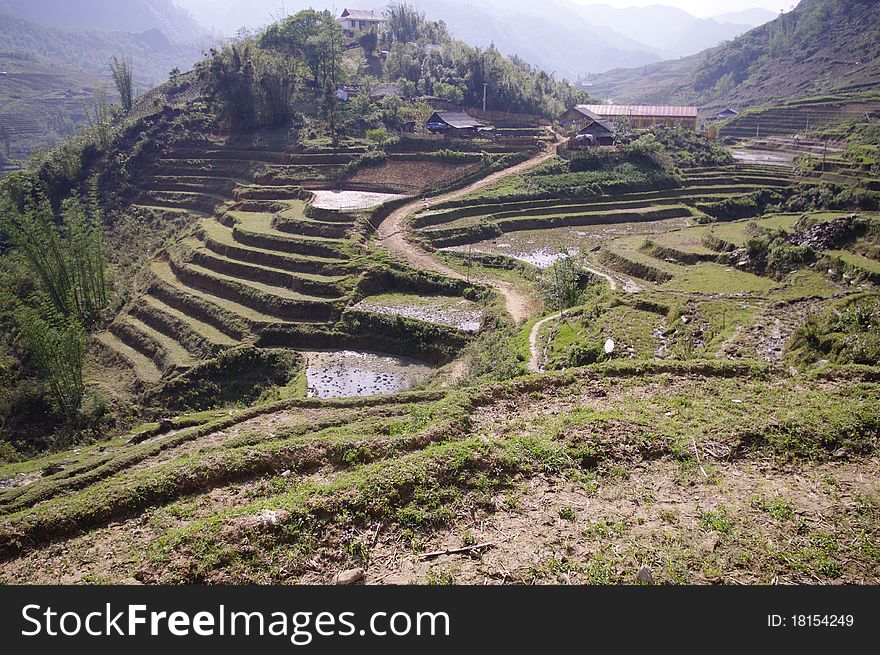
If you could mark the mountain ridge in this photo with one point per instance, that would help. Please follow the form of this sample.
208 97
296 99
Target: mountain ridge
821 46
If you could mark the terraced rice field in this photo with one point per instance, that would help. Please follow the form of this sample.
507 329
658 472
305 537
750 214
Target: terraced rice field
541 248
267 262
607 230
796 118
352 200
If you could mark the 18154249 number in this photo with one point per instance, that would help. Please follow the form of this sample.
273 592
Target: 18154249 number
822 620
811 621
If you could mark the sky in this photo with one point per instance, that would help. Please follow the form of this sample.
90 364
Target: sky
701 8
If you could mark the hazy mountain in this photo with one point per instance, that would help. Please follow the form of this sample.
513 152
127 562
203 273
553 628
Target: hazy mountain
550 36
822 46
751 17
669 31
55 55
89 50
134 16
557 35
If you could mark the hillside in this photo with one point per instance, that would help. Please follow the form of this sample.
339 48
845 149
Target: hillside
52 72
259 331
132 16
89 50
41 103
821 46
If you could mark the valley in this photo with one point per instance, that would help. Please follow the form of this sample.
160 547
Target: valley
281 322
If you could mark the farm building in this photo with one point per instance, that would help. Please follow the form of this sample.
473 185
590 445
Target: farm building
354 21
597 133
454 123
723 115
385 89
641 116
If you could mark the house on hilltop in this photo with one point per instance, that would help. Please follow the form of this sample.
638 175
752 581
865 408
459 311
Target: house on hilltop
355 21
641 116
456 123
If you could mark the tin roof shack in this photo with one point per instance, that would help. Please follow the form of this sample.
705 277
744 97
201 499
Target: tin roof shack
597 133
385 89
641 116
576 119
723 115
454 123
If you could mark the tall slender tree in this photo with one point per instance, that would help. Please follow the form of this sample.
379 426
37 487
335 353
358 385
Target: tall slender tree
123 78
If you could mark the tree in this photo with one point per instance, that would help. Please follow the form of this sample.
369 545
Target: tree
313 38
449 92
68 261
561 285
369 41
124 81
404 22
56 344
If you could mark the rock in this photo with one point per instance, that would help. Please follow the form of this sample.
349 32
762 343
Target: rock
840 453
272 517
644 576
286 474
350 577
710 543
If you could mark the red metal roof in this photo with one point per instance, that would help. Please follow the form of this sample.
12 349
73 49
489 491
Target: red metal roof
645 111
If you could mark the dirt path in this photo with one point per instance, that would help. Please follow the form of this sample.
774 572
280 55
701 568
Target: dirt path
394 230
535 364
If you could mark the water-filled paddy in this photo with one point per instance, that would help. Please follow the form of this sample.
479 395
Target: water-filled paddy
440 310
541 248
351 200
348 373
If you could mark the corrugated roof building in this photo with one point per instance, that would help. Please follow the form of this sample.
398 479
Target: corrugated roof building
454 121
641 116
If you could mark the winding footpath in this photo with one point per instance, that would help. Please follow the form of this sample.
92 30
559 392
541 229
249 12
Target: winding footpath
394 231
536 365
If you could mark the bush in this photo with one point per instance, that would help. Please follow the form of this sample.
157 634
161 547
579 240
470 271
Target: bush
848 334
562 285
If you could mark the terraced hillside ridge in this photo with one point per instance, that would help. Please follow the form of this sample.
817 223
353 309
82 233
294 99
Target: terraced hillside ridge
42 104
799 117
588 481
537 230
275 257
699 293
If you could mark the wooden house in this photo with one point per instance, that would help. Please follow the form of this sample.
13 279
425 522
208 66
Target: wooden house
357 21
597 133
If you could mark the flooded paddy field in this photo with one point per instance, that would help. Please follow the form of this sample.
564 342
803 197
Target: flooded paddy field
351 200
441 310
765 157
541 248
347 373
